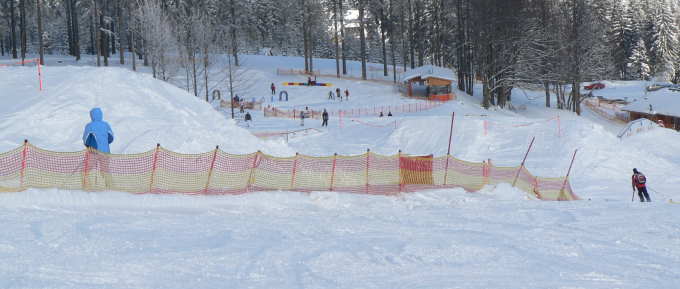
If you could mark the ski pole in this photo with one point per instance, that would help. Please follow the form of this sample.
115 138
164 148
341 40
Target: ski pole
632 198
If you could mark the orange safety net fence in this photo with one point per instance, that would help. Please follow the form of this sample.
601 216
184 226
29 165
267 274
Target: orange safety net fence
216 172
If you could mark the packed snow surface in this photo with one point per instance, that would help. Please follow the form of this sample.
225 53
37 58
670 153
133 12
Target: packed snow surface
496 238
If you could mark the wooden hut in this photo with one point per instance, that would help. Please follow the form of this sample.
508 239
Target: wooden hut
431 82
662 107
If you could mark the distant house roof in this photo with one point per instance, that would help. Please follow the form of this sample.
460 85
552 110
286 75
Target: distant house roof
663 102
428 71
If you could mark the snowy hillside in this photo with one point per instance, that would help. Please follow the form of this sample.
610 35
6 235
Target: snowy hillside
142 111
495 238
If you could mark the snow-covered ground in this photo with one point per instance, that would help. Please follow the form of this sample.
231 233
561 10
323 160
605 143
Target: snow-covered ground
495 238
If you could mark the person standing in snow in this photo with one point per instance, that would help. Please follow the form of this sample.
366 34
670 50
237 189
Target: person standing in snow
324 117
640 182
346 93
248 118
273 87
98 134
338 93
302 118
330 95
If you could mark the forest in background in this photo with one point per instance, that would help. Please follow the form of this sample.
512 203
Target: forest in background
503 44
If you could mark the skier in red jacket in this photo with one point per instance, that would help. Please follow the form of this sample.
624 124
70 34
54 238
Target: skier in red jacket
639 182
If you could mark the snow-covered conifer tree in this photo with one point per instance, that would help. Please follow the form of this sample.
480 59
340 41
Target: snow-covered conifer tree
639 61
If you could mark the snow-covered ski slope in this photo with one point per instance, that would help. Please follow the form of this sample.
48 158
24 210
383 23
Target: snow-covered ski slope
436 239
142 111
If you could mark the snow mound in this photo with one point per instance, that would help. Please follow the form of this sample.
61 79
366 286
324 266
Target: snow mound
142 111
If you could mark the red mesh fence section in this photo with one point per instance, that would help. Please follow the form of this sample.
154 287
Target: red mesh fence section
216 172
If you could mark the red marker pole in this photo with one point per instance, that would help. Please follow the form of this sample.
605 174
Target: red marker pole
525 158
564 184
453 115
448 153
40 75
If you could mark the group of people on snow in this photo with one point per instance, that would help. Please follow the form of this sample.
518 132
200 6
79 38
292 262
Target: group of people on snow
338 94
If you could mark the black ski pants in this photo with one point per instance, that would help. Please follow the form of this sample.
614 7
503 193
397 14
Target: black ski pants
642 193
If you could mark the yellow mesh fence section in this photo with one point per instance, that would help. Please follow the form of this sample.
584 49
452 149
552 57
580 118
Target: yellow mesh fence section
272 173
11 172
231 174
126 173
218 172
49 169
384 174
467 175
313 173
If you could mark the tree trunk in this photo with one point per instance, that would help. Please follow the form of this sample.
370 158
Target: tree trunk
145 51
362 36
76 29
576 88
69 27
460 47
12 29
305 41
419 40
394 59
310 41
412 47
96 32
41 46
384 49
193 71
103 39
112 28
2 44
402 34
337 41
119 10
486 94
342 36
132 39
206 63
22 25
234 44
546 86
133 51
